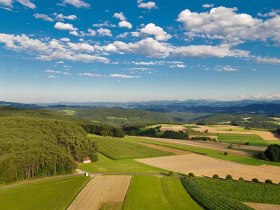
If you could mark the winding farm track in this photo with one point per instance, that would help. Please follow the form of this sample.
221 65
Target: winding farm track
100 190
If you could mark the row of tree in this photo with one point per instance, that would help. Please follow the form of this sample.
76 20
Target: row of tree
103 130
155 132
32 147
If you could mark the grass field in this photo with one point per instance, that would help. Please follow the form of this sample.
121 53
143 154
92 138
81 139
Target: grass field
152 193
117 149
205 151
52 193
106 164
240 190
243 138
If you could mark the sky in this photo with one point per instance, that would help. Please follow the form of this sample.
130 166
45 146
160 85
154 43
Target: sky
139 50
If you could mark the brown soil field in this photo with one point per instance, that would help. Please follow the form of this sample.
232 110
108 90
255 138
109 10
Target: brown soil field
266 135
221 129
202 165
166 149
101 189
260 206
172 128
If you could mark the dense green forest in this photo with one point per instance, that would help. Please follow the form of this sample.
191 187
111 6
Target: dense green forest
31 147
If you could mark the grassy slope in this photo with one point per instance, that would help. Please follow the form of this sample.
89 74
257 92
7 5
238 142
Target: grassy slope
243 138
242 191
53 193
106 164
152 193
117 149
208 152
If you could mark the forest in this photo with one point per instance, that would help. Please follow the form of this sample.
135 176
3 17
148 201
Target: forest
34 147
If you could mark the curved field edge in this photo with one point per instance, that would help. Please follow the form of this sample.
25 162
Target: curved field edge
210 201
118 148
152 193
205 151
43 194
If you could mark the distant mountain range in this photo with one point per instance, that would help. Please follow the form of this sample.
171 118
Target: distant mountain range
205 106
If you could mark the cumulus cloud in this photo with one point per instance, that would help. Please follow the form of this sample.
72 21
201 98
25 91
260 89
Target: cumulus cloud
61 17
50 50
104 32
158 32
65 26
43 17
8 4
227 24
90 75
146 5
77 3
65 39
125 24
119 16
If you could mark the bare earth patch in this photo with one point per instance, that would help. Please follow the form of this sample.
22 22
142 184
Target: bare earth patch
266 135
260 206
221 129
202 165
101 189
172 128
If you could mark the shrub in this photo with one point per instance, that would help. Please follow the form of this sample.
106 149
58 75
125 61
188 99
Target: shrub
228 177
247 143
268 181
273 152
216 176
172 173
225 153
255 180
241 179
261 155
191 175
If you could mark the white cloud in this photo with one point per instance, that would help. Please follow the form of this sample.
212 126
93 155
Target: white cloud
77 3
123 76
104 32
91 32
119 16
91 75
110 48
272 13
27 3
268 60
226 24
49 50
158 32
125 24
51 76
8 4
147 5
178 66
74 33
225 69
65 26
104 24
52 71
61 17
208 5
82 47
43 17
65 39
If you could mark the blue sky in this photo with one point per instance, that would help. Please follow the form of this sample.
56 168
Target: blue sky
139 50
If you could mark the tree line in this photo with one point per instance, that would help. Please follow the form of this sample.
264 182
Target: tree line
33 147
